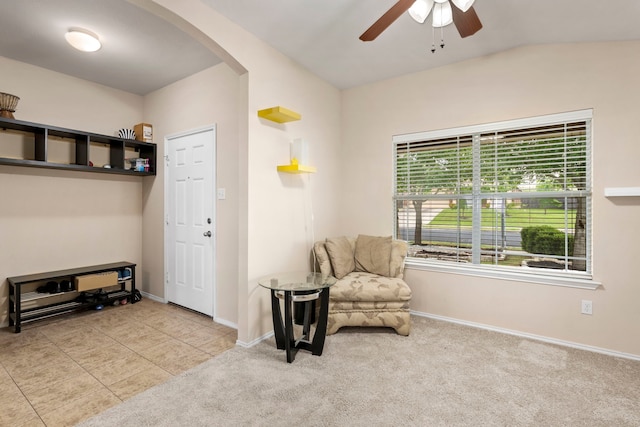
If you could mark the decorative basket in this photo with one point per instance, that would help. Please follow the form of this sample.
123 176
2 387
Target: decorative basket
127 134
8 104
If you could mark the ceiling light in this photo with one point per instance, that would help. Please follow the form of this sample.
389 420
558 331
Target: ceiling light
83 40
442 12
442 15
463 5
420 10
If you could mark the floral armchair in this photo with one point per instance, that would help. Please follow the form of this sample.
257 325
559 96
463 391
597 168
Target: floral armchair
370 290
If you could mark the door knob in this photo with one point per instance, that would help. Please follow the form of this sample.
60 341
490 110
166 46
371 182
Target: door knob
207 234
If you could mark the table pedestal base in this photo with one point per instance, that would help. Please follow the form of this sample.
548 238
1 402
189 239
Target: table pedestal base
283 330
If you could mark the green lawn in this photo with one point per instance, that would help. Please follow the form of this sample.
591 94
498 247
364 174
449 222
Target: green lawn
516 218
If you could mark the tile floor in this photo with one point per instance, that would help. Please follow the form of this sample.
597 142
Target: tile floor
64 370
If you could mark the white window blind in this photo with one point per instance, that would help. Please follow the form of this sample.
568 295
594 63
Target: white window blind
509 195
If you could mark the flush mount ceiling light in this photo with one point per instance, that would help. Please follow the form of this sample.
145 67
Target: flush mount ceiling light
83 40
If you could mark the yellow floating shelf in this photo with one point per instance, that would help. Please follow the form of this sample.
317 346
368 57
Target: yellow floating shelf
295 168
279 114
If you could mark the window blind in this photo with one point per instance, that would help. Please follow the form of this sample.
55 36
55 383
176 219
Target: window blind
508 195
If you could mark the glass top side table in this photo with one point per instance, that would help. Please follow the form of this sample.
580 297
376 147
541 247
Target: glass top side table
298 287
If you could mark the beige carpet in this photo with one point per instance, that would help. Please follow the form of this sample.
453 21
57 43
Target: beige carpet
443 374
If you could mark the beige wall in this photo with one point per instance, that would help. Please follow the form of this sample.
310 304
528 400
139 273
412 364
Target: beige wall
350 142
70 211
51 219
58 99
269 215
206 98
523 82
277 227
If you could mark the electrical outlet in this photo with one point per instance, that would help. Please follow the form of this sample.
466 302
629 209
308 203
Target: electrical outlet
587 307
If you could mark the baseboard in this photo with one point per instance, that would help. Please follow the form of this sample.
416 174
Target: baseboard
5 324
225 322
219 320
254 342
151 297
530 336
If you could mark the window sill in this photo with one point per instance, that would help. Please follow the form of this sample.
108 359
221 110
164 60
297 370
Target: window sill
582 282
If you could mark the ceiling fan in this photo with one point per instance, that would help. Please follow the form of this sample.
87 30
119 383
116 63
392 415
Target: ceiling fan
460 12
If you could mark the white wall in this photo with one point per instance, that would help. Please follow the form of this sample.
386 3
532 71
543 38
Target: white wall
206 98
53 219
523 82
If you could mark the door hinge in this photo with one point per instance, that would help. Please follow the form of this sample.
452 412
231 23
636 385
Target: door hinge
166 159
166 277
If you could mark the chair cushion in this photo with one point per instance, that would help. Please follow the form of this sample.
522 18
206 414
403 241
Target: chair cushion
373 254
399 250
341 255
322 258
396 263
400 320
367 306
362 286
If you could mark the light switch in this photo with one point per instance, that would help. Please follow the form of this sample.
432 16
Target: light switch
222 194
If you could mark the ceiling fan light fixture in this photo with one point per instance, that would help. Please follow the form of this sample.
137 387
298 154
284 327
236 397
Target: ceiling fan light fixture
420 10
442 14
83 40
463 5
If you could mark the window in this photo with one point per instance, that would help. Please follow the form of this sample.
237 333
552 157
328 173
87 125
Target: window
511 196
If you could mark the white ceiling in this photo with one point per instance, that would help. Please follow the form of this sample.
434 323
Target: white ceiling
141 53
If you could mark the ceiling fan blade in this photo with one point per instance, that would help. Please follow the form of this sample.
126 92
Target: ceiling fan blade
385 20
467 22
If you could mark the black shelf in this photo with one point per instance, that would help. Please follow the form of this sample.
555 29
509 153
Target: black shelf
83 143
18 315
49 310
68 306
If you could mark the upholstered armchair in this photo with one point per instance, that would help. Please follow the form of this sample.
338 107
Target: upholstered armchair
370 290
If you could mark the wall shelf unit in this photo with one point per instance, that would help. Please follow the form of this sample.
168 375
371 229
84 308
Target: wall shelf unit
295 168
36 140
622 192
279 114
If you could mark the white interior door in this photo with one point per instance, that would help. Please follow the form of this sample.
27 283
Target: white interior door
190 222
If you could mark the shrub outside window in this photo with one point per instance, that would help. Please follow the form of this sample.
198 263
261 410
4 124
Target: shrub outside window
508 196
